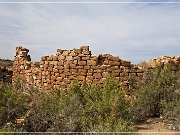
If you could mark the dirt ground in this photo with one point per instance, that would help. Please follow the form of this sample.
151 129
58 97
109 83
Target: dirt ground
155 126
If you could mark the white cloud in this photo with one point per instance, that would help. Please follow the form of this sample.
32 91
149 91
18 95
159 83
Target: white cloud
132 31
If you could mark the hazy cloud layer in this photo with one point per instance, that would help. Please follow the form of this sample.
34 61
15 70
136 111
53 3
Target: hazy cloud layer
136 32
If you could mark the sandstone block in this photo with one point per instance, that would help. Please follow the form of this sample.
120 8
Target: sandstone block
53 77
46 63
66 70
60 71
77 51
56 75
66 81
94 58
50 69
80 78
82 72
103 80
75 73
66 66
55 70
114 63
73 70
115 67
52 73
93 67
77 58
73 66
89 78
82 63
49 58
79 67
91 62
60 63
97 81
59 79
62 75
89 82
42 64
85 50
126 63
89 74
47 72
60 67
69 58
106 62
43 73
105 74
72 53
90 70
116 71
67 74
109 70
56 67
87 67
55 63
61 57
98 71
48 77
115 59
72 78
45 84
85 58
75 62
51 64
66 52
97 75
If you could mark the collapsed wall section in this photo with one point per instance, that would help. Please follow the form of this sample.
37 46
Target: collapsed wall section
174 61
23 68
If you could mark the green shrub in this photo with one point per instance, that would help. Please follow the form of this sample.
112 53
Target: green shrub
171 111
91 108
13 103
53 111
106 108
82 108
159 86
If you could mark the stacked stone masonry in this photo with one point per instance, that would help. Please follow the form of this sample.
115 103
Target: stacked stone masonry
77 64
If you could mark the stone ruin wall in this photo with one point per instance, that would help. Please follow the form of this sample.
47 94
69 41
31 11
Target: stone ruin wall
81 65
174 61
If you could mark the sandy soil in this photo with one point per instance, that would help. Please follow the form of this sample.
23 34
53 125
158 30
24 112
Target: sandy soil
156 126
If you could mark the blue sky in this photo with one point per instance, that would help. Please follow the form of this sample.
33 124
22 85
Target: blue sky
136 32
